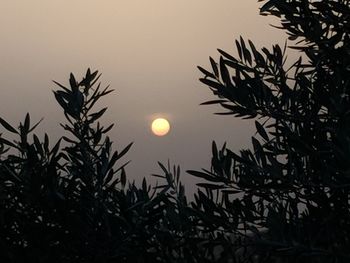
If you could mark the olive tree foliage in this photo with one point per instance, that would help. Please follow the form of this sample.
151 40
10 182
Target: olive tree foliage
284 200
289 194
71 202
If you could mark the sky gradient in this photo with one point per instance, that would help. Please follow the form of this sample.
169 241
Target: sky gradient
147 51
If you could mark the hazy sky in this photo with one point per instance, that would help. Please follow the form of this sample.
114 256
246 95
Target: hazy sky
147 51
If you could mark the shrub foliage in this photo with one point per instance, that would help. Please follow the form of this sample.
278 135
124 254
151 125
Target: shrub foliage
284 200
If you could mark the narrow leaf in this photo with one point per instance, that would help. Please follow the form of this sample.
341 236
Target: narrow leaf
214 66
260 129
7 126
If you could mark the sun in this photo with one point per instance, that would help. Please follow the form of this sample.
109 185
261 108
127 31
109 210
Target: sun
160 127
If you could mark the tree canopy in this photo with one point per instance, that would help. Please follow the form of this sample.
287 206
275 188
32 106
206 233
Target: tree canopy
286 199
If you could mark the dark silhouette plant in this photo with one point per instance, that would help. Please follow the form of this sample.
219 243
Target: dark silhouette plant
71 202
57 201
288 195
284 200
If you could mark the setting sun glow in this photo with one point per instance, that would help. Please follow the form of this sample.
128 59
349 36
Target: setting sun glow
160 127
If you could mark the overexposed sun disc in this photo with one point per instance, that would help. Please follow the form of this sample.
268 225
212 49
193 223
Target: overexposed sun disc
160 127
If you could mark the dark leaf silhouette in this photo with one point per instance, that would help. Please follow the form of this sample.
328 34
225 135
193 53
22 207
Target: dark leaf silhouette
284 199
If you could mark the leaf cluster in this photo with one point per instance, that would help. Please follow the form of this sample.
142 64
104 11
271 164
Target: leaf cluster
284 199
290 191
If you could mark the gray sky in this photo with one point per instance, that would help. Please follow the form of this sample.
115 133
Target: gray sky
147 51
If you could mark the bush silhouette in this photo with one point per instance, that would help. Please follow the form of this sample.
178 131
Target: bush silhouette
284 200
290 193
72 203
